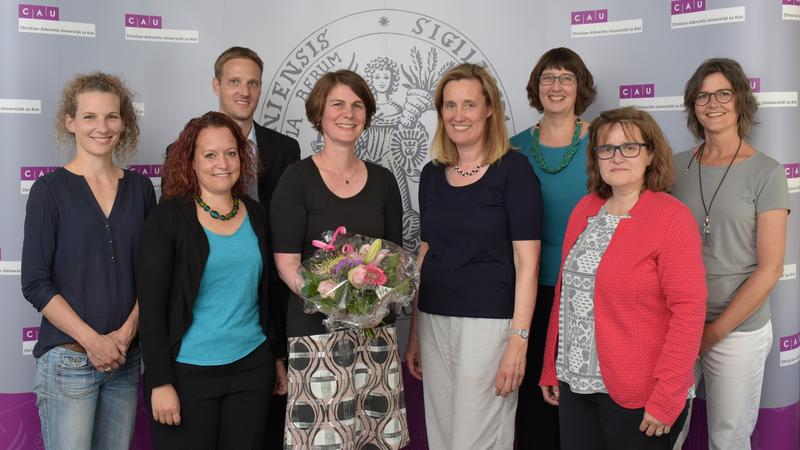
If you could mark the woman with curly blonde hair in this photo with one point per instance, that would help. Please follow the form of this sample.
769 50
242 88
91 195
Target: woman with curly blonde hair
81 229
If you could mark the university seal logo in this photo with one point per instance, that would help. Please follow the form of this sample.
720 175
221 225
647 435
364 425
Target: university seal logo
402 55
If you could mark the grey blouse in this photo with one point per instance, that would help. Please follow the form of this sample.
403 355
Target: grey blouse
576 362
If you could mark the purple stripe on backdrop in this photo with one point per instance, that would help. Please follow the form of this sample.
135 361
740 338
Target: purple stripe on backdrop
776 429
20 428
415 412
19 422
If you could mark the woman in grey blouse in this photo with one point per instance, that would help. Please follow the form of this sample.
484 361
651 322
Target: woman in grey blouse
740 200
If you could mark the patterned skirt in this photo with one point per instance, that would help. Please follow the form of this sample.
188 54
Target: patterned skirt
345 392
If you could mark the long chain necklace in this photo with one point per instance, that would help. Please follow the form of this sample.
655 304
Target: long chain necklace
707 209
215 214
468 173
536 149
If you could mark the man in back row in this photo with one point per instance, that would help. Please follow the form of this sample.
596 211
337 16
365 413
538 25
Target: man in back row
237 84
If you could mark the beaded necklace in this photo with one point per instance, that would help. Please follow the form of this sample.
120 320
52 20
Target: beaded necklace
536 149
468 173
215 214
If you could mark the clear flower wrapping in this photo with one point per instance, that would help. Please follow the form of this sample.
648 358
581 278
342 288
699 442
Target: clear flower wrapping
356 280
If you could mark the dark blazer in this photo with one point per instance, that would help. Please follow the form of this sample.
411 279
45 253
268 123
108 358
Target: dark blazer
170 259
275 151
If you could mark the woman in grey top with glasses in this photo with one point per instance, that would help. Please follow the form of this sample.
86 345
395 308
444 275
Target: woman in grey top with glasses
740 200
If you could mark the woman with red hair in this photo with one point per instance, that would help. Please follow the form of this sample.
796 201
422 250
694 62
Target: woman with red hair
207 333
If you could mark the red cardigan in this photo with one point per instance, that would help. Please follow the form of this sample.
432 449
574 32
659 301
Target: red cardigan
650 304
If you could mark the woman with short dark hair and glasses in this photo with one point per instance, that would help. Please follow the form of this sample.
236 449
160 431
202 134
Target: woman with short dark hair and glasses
740 201
630 300
560 88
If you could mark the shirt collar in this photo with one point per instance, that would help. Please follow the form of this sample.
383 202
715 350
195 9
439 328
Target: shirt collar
252 135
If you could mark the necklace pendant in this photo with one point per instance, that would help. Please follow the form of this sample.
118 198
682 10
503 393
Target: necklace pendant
707 227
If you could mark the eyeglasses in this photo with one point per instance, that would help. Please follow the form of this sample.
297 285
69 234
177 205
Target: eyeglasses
627 149
566 79
722 96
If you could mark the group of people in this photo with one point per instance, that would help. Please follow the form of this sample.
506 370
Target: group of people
576 281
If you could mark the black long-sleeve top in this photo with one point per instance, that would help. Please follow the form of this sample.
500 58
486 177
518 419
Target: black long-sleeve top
303 208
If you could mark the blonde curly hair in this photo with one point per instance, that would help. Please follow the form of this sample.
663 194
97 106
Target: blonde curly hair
99 82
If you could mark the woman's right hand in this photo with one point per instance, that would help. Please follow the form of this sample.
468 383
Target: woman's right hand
103 353
166 406
551 394
412 356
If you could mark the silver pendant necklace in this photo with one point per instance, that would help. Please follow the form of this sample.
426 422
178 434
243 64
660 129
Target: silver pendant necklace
707 209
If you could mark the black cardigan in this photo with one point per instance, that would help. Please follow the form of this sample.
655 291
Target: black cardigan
172 253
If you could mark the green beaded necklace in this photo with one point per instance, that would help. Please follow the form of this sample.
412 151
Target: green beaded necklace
215 214
536 149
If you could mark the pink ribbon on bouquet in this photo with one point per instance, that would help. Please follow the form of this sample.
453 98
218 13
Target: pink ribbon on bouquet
329 246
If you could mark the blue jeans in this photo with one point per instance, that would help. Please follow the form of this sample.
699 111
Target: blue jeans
83 408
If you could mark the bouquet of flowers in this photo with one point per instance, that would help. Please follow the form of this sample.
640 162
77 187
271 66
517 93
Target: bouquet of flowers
355 280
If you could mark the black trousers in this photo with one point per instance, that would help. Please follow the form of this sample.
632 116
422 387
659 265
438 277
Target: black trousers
222 407
276 418
596 422
537 422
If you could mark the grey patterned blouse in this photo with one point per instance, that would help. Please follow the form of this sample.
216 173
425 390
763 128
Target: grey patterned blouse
576 363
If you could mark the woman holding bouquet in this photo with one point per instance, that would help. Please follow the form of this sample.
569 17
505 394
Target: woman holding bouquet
343 388
209 334
481 219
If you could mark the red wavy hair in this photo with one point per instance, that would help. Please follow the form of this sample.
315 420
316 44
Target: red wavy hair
178 178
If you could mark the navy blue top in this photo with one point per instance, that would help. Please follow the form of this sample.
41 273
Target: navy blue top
71 248
469 268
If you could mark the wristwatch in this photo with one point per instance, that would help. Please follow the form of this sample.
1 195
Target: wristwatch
521 332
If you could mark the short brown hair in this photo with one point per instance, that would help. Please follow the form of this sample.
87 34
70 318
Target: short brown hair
565 59
236 52
658 176
443 150
315 103
99 82
178 177
746 104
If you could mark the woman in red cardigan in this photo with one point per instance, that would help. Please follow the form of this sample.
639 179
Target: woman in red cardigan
629 306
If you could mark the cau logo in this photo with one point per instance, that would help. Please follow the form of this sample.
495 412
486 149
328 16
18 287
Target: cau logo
401 54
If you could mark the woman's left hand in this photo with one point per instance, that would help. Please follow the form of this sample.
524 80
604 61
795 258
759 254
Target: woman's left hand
652 426
710 338
122 339
512 367
281 378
